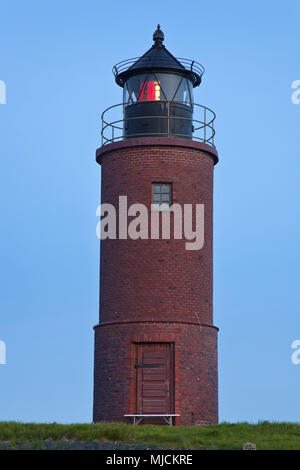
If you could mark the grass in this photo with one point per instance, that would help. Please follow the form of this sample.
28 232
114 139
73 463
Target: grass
266 435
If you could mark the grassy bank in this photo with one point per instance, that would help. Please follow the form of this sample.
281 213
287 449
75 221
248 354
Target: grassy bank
266 435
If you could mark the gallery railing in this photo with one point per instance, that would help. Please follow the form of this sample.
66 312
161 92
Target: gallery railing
163 62
113 126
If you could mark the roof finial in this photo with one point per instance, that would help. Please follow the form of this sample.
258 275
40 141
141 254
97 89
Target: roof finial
158 36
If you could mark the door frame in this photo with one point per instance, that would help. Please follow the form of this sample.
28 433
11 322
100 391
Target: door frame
172 370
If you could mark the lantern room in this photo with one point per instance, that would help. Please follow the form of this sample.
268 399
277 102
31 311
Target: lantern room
158 92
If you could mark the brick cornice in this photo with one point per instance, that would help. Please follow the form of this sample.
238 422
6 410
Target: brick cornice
157 142
125 322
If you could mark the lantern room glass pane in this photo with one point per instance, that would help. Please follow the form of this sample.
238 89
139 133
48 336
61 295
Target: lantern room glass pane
158 87
183 92
143 88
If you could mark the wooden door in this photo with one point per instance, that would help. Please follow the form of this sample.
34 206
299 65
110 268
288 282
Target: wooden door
155 384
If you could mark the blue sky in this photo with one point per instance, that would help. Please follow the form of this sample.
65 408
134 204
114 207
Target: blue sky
56 59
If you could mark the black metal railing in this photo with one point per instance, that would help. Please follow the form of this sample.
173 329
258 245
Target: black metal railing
188 64
113 128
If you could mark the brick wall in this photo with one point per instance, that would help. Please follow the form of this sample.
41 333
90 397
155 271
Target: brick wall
195 371
148 281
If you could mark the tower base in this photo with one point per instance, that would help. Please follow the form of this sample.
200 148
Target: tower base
162 367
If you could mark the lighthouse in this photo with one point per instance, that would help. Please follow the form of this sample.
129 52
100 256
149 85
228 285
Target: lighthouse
155 344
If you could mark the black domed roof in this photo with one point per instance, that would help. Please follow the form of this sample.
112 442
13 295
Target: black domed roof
158 59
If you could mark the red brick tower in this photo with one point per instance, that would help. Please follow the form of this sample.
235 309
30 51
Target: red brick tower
155 344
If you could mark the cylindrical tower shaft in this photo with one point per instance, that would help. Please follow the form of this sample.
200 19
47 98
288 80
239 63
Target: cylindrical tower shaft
156 293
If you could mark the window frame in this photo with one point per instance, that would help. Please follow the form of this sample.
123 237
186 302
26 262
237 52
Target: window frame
161 205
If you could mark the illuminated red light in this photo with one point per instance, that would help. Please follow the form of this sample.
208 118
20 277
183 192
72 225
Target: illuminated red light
149 91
